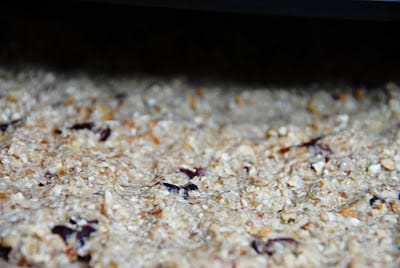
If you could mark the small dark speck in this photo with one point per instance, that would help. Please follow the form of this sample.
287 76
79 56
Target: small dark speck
398 196
72 221
62 231
187 188
84 233
257 246
282 240
269 247
375 199
318 148
120 96
247 169
4 127
85 259
40 184
335 95
15 123
190 187
81 126
105 133
57 131
171 187
372 200
48 175
93 221
4 252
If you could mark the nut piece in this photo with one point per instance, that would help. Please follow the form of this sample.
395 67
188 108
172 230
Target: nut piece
374 169
387 163
348 212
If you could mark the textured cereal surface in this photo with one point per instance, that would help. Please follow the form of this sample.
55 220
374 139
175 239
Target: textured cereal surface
149 172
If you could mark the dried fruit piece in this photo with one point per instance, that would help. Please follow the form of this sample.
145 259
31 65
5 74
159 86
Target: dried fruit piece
172 188
196 172
63 231
270 247
318 148
49 175
120 96
105 133
93 221
190 187
81 126
258 246
4 252
313 144
57 131
156 212
375 199
83 234
187 188
14 123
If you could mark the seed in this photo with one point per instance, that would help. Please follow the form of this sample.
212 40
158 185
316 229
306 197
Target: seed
388 164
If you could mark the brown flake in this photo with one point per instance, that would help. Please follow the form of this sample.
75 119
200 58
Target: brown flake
348 212
388 164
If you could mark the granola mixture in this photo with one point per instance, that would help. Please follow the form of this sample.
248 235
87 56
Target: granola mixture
154 172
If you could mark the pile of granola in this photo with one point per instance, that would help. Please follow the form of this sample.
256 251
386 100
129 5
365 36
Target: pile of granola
155 172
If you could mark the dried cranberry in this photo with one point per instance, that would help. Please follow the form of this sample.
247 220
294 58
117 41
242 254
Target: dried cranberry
63 231
105 133
196 172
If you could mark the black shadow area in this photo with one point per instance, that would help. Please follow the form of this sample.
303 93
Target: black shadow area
121 39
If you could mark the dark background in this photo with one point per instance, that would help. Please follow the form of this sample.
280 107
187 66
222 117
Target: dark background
103 38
